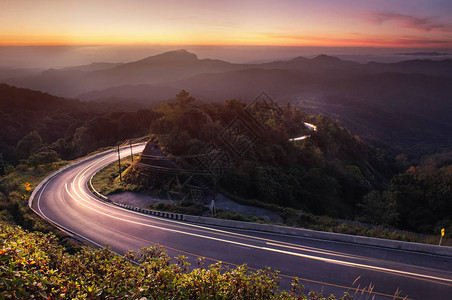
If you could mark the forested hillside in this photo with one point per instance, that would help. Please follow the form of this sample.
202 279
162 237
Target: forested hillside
332 172
45 128
402 106
327 173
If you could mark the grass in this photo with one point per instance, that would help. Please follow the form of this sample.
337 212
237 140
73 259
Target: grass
16 188
227 215
18 178
250 202
299 218
181 208
107 181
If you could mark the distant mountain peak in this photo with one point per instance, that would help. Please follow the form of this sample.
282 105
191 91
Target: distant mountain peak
175 55
299 58
326 58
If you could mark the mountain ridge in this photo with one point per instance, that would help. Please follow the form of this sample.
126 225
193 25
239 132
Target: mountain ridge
181 64
418 89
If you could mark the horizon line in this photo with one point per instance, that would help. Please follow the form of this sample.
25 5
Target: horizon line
222 45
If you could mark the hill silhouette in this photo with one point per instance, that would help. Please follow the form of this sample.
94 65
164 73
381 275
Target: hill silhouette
404 105
169 66
37 123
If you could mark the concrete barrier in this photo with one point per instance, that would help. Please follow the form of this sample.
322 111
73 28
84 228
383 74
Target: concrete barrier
346 238
151 212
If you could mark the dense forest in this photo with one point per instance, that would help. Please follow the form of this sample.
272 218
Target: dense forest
333 172
42 128
328 173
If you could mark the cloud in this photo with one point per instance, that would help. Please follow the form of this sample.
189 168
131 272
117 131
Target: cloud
432 53
357 39
417 23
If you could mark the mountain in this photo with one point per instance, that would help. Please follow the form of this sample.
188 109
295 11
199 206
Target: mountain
145 94
23 111
9 73
160 68
175 66
406 104
321 65
15 100
93 66
416 66
406 112
34 122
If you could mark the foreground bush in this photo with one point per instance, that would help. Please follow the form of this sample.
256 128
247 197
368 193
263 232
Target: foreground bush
33 265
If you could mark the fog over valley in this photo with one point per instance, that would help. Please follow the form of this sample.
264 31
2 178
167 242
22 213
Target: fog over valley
404 105
45 57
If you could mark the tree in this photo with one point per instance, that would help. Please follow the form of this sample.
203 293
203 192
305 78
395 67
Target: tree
379 208
82 141
43 157
423 195
30 144
183 99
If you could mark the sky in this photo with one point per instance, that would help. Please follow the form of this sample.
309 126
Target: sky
319 23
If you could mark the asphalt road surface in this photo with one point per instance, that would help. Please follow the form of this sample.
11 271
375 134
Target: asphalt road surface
327 266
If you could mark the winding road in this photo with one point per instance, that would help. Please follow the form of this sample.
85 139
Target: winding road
328 266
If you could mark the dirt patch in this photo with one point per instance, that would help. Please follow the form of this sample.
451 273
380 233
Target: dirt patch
145 199
224 203
136 199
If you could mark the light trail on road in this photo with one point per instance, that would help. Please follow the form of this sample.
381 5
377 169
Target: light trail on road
67 202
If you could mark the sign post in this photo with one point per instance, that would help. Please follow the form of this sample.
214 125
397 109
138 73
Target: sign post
213 209
443 232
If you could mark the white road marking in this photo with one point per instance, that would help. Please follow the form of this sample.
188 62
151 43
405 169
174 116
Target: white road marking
84 200
328 260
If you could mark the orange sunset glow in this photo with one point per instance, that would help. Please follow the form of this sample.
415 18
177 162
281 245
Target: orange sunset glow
403 23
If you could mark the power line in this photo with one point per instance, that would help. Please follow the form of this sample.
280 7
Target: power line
173 170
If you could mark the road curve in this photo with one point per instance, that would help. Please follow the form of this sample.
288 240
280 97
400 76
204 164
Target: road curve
327 266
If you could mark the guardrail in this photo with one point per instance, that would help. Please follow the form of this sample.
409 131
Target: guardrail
314 234
157 213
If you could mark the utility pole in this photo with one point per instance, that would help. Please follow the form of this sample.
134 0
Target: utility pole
119 165
131 152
